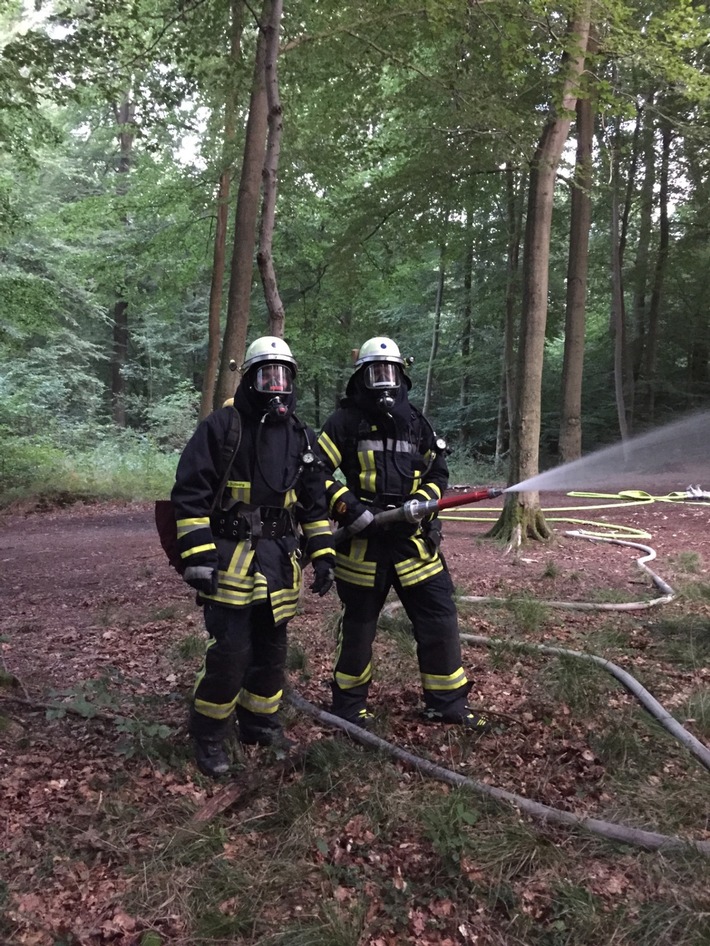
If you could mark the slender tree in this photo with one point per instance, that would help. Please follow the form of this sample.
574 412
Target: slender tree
124 113
214 334
265 259
242 266
522 515
577 268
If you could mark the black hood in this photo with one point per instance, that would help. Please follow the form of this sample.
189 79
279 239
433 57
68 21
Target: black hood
357 394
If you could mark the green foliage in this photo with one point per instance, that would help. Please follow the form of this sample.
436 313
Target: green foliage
100 697
447 823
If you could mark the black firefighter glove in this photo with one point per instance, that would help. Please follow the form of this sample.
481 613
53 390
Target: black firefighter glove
202 578
324 576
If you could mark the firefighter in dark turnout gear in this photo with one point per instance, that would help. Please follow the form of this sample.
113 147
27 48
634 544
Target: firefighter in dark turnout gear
388 453
241 550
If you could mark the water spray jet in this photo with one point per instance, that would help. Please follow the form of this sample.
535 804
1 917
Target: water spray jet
679 448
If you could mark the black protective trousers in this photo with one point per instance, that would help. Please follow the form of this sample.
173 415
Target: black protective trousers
243 671
431 609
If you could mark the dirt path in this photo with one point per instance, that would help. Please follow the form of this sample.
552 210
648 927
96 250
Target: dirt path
93 615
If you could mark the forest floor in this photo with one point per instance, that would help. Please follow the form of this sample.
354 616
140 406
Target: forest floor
111 836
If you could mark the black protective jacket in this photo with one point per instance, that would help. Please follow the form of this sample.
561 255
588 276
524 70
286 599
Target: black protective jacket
274 503
385 460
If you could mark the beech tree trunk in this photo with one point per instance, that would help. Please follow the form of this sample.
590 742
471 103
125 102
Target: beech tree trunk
214 335
437 326
270 172
522 516
242 266
466 330
659 271
514 203
617 320
577 269
643 243
119 354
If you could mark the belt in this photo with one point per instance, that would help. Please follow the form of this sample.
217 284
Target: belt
260 522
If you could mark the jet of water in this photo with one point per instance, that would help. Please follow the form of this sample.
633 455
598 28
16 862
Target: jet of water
670 456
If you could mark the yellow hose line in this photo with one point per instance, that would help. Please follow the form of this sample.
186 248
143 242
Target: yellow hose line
626 497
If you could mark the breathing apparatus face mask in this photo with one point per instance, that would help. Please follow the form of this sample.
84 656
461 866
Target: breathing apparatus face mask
272 382
383 379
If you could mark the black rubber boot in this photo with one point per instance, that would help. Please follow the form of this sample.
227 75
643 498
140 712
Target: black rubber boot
466 718
266 737
259 730
211 756
363 718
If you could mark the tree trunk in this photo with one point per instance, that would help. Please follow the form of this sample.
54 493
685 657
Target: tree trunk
617 320
643 243
242 268
659 272
270 171
209 379
466 330
577 269
437 325
522 515
119 355
514 205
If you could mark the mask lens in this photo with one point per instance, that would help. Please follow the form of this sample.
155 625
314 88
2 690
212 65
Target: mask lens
273 379
381 374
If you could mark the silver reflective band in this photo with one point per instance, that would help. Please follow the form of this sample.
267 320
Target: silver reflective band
381 374
277 379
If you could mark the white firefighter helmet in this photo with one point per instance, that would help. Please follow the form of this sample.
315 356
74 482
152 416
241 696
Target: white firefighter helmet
379 349
269 348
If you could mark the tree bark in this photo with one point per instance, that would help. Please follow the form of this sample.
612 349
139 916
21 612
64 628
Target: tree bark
617 320
466 329
209 379
643 243
514 203
659 271
577 270
242 266
125 113
437 324
522 515
270 172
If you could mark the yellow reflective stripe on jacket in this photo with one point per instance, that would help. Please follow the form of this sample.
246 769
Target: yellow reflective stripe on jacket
319 527
185 526
240 489
430 491
198 548
346 682
416 571
368 471
330 450
259 704
451 681
284 603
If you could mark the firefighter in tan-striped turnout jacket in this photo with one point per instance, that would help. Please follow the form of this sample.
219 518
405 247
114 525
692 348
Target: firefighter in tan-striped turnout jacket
242 553
387 453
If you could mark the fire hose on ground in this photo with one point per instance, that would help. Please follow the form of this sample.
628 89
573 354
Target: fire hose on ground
414 511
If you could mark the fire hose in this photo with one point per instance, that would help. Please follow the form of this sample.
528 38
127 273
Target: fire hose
414 510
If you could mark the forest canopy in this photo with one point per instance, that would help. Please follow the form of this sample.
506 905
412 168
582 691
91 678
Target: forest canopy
408 153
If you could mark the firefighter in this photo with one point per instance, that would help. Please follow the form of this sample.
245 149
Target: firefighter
387 453
241 549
